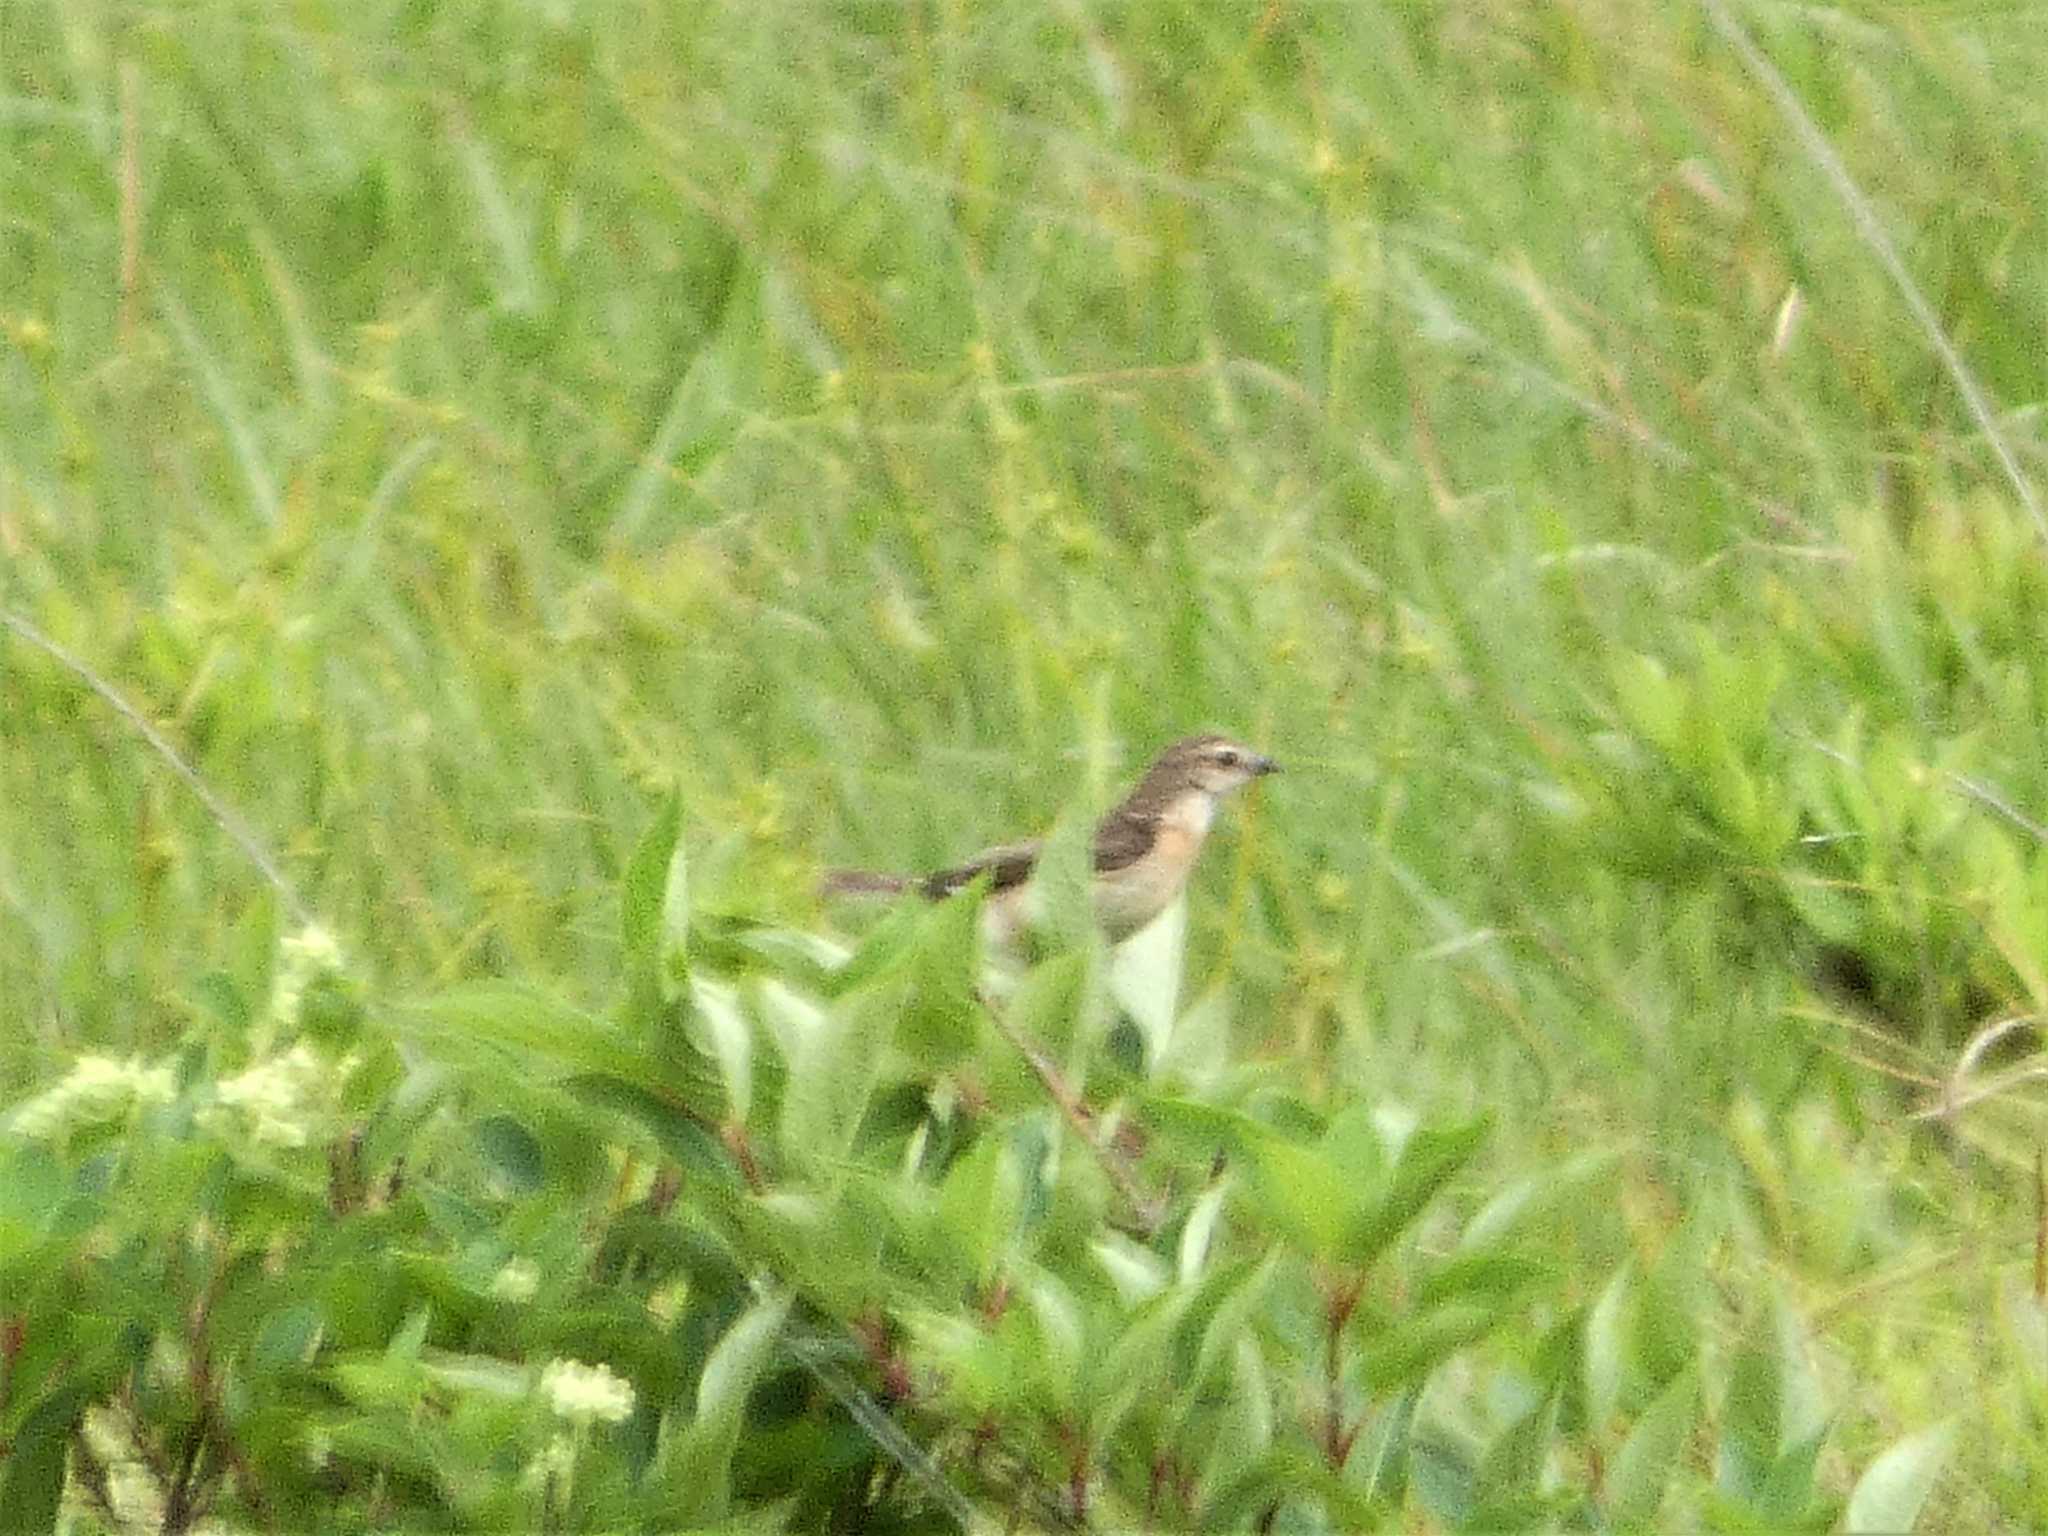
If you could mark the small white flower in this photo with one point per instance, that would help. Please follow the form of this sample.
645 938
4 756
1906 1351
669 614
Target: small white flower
302 958
583 1393
277 1101
97 1088
516 1282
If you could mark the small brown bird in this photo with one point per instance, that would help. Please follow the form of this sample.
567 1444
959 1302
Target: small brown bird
1144 849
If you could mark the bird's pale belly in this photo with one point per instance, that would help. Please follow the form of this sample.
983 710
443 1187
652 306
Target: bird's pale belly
1127 899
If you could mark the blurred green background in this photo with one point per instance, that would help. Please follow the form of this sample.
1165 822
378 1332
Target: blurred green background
891 422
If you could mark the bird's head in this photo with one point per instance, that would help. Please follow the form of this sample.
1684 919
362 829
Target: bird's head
1213 764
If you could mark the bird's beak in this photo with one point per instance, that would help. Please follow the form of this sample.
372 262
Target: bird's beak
1261 766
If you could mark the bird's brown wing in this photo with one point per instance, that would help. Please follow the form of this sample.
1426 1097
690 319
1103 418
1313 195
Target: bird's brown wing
1006 866
1123 837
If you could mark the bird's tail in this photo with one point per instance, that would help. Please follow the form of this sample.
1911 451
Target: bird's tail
861 882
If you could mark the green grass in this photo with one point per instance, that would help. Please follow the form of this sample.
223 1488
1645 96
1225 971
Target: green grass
889 423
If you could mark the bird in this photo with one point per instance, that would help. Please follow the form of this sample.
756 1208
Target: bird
1144 849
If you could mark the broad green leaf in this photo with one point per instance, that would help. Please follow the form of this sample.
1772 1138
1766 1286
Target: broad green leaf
1513 1463
32 1477
1802 1405
1654 705
941 1019
980 1203
1750 1424
1491 1275
883 949
726 1035
1137 1359
1062 911
512 1152
1201 1128
1890 1493
1238 1292
1529 1199
1789 1497
835 1069
1428 1160
1137 1272
1200 1229
1048 1008
289 1336
1275 1478
1058 1334
654 903
1643 1468
1379 1460
694 1467
543 1037
1607 1346
683 1134
1403 1356
1306 1194
1671 1299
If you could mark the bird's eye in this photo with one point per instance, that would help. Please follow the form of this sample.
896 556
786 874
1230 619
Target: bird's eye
1229 757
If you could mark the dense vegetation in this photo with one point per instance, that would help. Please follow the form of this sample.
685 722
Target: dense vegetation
558 475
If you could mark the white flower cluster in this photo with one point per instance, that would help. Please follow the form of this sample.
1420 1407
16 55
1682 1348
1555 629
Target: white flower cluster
517 1281
583 1393
97 1089
277 1099
303 958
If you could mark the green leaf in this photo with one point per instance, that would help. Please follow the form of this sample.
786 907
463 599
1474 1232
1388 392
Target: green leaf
1304 1192
1789 1498
695 1466
980 1202
1428 1160
34 1481
1673 1297
289 1336
884 949
511 1151
1379 1461
654 906
1062 910
941 1022
835 1068
1643 1468
1652 703
1049 1008
1513 1463
682 1134
1275 1478
1749 1424
538 1033
1226 1311
1404 1355
1200 1229
1889 1494
726 1035
1607 1341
